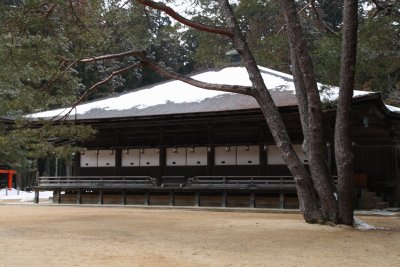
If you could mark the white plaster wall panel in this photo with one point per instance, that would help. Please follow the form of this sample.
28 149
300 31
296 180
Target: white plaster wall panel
130 158
106 158
248 155
225 155
149 157
89 158
176 156
299 151
196 156
274 157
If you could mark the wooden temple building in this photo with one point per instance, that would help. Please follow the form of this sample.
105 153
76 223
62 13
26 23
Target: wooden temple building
175 144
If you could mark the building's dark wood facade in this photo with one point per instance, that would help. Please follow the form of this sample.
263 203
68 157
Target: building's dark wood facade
229 144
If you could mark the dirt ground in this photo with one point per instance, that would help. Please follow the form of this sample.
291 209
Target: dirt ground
38 235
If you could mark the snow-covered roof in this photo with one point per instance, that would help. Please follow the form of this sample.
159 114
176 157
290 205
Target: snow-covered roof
176 97
393 109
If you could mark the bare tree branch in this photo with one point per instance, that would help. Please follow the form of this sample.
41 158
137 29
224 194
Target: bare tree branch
384 6
55 78
77 16
93 87
298 13
49 10
245 90
316 11
183 20
312 4
111 56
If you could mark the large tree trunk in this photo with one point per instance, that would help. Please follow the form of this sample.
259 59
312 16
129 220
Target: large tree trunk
307 197
322 179
343 147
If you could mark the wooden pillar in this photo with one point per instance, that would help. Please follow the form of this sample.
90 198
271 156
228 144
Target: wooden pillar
59 196
163 156
282 200
223 204
263 152
101 196
76 164
210 151
117 152
252 199
171 198
36 199
397 175
197 199
147 198
118 161
19 181
68 167
123 197
263 159
78 197
46 171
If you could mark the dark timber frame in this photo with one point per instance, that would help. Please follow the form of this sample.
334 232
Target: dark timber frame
375 132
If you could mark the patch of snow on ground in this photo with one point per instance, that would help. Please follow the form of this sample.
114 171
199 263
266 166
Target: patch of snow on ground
23 196
383 212
363 226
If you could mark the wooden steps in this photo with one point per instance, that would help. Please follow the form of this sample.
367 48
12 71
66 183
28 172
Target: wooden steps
369 200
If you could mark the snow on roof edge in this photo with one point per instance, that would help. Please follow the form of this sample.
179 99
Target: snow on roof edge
176 92
393 108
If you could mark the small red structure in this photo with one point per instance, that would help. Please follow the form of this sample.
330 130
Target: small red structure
10 174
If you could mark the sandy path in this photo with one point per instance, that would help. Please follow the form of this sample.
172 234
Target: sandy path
103 236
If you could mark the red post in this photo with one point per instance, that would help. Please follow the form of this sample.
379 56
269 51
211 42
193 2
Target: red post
10 176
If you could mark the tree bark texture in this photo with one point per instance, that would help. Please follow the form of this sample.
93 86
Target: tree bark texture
301 95
343 146
306 194
321 177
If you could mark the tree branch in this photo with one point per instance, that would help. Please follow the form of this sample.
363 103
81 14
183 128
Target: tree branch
319 17
92 59
298 13
312 4
49 10
112 56
93 87
77 16
244 90
380 7
183 20
55 78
